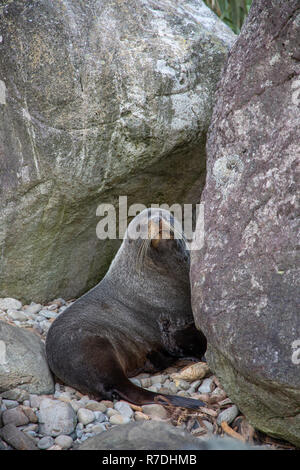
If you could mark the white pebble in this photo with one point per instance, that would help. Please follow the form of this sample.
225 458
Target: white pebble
154 388
8 303
135 382
97 428
63 441
47 314
46 442
173 388
158 379
228 415
10 403
155 411
17 315
100 417
146 382
206 386
124 409
110 412
139 416
33 309
184 385
119 419
76 405
85 416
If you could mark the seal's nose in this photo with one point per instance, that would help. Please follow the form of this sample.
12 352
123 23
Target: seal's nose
159 229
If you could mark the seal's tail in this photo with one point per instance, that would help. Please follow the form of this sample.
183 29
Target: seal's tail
139 396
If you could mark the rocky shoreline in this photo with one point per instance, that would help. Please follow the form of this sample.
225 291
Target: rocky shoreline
66 418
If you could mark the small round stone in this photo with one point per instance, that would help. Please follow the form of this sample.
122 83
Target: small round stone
97 428
124 409
46 442
33 309
63 441
110 412
228 415
139 416
14 416
107 403
154 388
8 303
173 388
45 325
158 379
208 425
155 411
29 427
119 419
65 396
146 382
17 315
194 385
217 392
10 403
79 430
184 385
164 390
206 386
30 414
70 390
76 405
135 381
96 406
35 401
85 416
84 400
182 393
47 314
100 417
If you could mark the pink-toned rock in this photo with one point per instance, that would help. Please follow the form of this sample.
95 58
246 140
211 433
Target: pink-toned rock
15 416
16 438
245 279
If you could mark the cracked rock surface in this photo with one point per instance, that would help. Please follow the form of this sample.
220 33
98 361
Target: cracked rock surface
245 280
98 99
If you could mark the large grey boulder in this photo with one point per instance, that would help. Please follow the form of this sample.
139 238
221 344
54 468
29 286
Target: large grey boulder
156 435
97 99
23 365
245 279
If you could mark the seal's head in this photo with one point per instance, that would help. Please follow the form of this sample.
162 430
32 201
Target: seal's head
160 242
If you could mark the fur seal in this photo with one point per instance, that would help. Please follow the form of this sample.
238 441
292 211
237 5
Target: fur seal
137 319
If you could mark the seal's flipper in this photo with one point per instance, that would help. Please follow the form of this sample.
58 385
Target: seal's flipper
139 396
101 356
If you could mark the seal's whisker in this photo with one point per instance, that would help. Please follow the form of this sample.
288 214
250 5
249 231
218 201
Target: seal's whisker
146 245
138 257
142 254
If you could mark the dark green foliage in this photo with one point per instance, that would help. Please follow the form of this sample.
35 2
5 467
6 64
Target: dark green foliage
232 12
